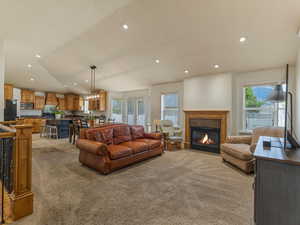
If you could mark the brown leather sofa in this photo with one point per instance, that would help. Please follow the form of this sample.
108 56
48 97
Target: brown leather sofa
112 147
238 150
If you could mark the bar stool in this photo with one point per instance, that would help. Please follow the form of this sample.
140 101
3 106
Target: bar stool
44 130
53 131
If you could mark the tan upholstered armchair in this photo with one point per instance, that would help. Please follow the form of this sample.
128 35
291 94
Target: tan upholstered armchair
238 150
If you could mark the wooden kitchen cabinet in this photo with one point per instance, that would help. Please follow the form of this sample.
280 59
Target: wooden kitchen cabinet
27 96
78 103
51 99
39 102
99 103
102 100
61 104
8 92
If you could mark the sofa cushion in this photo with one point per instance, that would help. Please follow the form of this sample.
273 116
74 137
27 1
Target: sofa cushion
136 146
121 134
118 151
137 132
150 142
107 135
240 151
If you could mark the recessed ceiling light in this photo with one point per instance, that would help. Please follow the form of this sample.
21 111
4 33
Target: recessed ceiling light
74 83
125 26
157 61
86 81
216 66
38 56
243 39
31 79
186 71
29 65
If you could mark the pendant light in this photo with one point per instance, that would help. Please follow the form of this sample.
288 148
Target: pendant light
93 82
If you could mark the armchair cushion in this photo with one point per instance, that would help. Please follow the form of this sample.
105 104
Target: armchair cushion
240 151
239 140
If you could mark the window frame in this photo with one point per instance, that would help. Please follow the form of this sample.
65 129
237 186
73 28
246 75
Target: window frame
178 107
122 108
245 109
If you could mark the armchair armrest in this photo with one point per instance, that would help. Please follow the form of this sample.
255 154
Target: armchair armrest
156 136
239 140
93 147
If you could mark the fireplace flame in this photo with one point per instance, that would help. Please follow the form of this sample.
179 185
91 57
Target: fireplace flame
206 140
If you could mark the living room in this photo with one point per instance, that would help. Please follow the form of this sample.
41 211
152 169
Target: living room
150 112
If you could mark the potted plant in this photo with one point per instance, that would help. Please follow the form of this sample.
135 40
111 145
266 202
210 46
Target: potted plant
58 114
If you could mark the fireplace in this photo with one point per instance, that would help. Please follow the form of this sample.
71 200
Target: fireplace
205 134
205 130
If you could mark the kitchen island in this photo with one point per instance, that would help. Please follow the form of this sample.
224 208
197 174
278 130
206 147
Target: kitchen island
62 126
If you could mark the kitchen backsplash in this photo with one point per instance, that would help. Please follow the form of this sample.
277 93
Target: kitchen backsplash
31 113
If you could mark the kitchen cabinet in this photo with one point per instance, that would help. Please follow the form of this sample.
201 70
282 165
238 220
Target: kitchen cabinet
99 103
78 103
27 96
61 104
73 102
51 99
8 92
39 102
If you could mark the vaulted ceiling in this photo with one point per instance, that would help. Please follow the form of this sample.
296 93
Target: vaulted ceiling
189 35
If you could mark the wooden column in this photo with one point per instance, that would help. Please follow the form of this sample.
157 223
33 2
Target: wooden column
22 197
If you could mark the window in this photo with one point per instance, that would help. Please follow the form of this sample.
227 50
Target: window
259 112
135 111
170 108
116 109
86 106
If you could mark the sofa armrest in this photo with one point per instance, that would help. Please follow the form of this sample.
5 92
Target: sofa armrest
239 140
93 147
156 136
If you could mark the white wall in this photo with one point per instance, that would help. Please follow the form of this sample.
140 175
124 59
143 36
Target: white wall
2 71
211 92
240 80
297 98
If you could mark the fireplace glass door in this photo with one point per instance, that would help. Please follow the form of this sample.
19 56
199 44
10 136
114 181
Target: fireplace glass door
207 139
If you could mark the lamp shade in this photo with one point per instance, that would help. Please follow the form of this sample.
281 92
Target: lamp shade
277 95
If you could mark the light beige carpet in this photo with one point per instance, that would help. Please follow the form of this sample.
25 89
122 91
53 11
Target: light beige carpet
179 188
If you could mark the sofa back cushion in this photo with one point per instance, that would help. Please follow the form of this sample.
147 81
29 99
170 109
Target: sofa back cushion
101 134
105 135
121 134
137 132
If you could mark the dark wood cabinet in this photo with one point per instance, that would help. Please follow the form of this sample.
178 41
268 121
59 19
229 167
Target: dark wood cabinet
277 185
